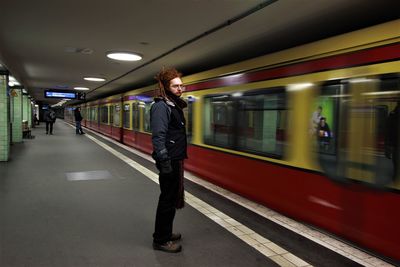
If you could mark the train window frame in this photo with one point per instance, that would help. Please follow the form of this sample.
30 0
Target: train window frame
234 143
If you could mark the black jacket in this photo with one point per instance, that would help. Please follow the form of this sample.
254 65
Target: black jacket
78 116
168 128
49 116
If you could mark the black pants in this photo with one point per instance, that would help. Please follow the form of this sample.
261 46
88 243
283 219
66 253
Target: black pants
169 185
47 127
78 128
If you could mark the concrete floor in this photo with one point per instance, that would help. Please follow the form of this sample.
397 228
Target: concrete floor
49 220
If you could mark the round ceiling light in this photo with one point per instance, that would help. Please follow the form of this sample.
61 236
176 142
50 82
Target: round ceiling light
81 88
94 79
124 56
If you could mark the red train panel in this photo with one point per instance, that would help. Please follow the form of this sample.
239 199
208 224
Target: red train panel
306 196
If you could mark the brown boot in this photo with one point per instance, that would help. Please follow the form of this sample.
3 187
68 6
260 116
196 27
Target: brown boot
168 246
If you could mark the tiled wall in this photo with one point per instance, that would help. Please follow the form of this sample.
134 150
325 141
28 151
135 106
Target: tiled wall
17 116
4 123
25 107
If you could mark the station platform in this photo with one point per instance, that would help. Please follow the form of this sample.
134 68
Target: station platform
85 200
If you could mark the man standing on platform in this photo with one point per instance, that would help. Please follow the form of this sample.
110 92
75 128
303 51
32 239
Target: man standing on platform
78 120
168 127
50 119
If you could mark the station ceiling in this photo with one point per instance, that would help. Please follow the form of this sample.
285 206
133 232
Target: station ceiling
48 44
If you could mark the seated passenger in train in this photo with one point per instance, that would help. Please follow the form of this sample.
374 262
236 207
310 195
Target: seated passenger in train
324 134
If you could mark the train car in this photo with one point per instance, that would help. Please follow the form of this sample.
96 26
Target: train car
311 132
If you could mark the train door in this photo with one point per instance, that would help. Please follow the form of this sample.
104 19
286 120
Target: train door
118 120
363 143
126 122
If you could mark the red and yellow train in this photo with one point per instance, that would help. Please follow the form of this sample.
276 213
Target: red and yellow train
311 132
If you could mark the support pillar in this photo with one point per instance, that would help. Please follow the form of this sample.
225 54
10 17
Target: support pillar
4 119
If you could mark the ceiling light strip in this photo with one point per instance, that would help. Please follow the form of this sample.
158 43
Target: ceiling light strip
94 79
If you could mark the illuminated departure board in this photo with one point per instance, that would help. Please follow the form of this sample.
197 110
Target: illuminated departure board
59 94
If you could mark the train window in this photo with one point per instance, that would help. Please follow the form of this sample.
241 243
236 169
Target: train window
126 116
94 114
146 115
324 119
117 116
219 121
135 116
111 114
83 113
328 136
365 139
254 122
87 114
104 114
262 123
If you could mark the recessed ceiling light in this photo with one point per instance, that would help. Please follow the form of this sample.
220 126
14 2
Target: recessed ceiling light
94 79
124 56
81 88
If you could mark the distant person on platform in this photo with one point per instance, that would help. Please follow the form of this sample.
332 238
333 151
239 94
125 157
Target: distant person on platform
78 120
168 128
35 119
50 119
